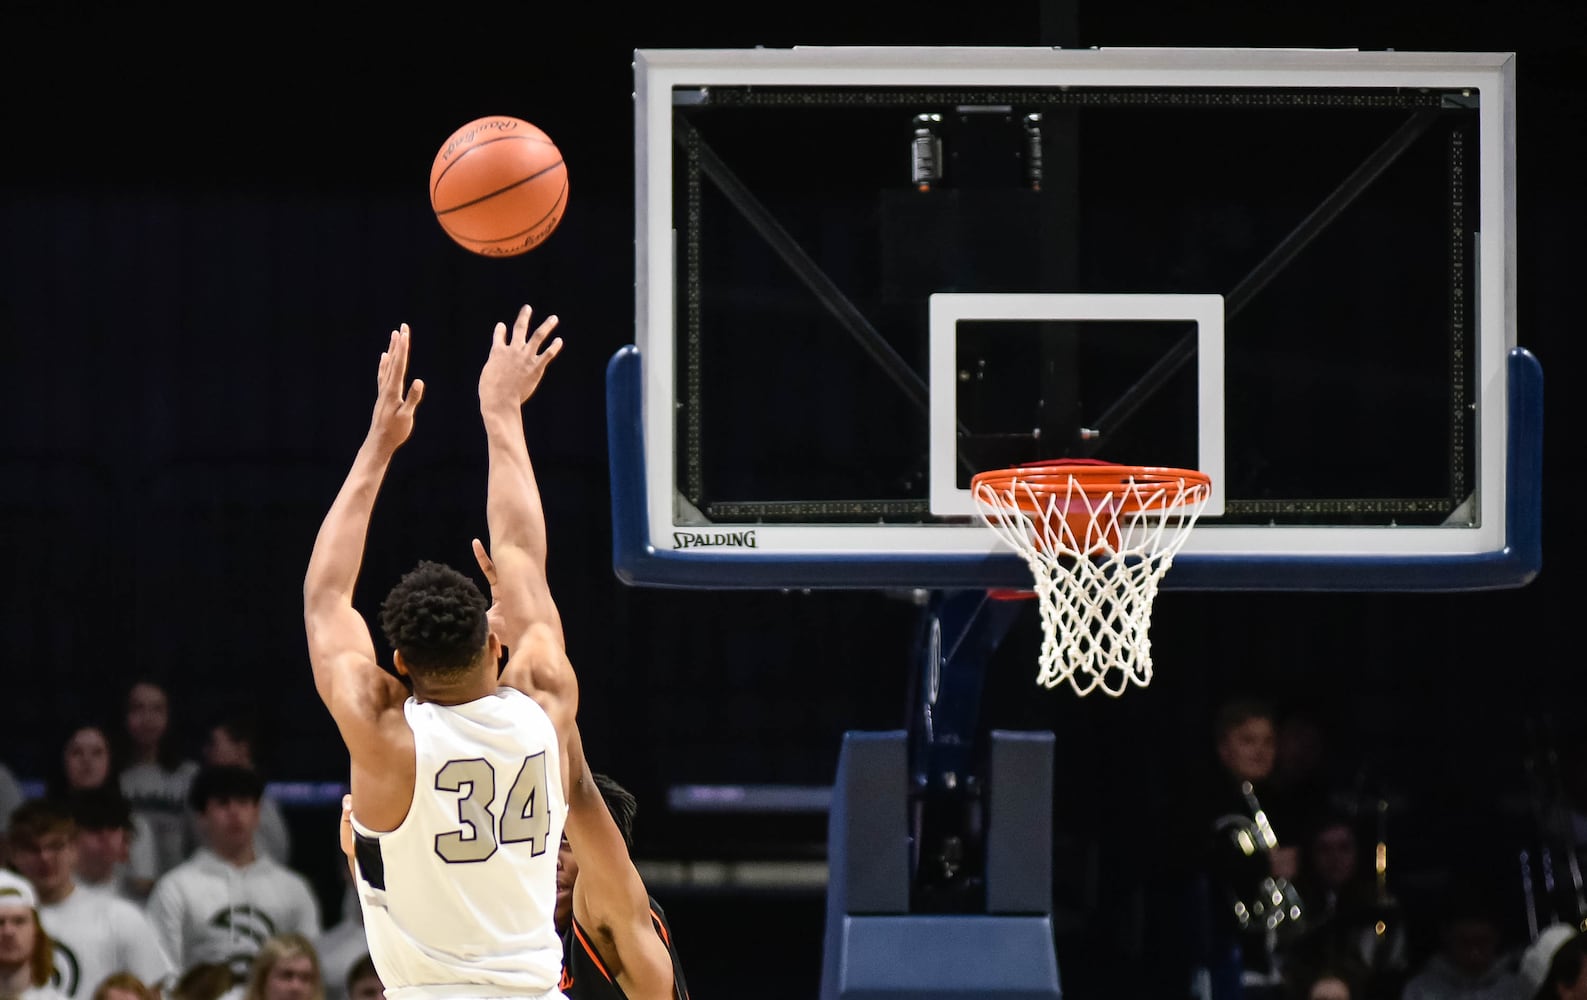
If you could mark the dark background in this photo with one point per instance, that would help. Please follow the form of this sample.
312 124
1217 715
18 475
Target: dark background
211 221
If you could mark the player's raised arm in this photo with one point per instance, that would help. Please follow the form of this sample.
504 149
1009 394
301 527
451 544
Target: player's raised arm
537 661
341 651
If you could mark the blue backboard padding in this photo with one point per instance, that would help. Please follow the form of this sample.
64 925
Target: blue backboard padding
944 957
638 563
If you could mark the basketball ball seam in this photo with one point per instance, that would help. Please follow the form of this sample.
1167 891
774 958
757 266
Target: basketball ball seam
499 191
556 207
439 178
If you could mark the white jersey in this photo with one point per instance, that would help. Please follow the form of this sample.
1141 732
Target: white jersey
97 934
209 910
458 900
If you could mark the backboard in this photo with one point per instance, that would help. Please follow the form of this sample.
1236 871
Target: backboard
865 274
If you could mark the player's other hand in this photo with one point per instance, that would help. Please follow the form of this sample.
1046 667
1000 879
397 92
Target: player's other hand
394 405
495 618
346 833
517 361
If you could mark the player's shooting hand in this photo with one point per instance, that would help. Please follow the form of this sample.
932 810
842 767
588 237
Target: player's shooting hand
517 361
393 418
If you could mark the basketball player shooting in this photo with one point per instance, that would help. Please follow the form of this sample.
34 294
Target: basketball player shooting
459 790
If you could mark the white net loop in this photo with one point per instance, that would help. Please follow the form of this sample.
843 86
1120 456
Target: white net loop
1097 559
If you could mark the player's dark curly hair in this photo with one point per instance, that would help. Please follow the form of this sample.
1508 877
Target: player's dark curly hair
620 802
435 617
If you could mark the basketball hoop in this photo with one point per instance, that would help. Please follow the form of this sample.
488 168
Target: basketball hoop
1098 538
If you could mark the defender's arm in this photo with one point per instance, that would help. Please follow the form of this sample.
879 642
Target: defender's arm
609 896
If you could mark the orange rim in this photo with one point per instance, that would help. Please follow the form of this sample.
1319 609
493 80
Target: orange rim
1092 479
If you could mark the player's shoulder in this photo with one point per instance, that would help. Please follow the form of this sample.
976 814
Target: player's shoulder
377 727
541 659
375 695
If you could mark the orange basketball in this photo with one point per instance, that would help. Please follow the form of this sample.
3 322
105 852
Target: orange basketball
498 186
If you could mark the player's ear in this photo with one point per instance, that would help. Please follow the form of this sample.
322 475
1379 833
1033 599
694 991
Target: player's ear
397 662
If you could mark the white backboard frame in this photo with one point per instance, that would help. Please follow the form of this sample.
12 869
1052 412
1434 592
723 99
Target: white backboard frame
659 72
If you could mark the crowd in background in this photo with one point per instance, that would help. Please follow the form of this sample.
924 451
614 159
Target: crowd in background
1292 867
137 872
152 873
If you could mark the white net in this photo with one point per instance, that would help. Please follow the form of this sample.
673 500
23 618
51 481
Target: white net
1097 554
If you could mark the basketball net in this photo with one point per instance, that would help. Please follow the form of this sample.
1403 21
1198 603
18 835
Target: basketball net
1098 539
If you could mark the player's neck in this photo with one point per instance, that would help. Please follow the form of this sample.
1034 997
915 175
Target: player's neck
476 685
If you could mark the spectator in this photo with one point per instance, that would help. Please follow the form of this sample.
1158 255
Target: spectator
27 956
87 764
95 933
124 986
286 968
233 742
156 777
1540 974
1304 785
1256 910
86 761
204 981
1332 984
1350 917
363 981
224 902
1467 965
107 834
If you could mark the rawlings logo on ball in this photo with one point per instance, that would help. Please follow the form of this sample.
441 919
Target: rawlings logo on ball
474 129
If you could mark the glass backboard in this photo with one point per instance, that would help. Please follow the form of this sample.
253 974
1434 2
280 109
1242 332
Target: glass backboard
865 274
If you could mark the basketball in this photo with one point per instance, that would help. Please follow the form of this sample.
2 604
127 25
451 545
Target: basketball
498 186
